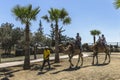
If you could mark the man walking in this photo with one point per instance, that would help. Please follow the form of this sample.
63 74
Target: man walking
46 54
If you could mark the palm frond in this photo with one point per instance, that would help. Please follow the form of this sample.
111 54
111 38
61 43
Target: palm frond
117 4
45 17
67 20
63 13
95 32
25 14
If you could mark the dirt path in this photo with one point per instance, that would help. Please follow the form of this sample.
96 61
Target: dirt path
60 71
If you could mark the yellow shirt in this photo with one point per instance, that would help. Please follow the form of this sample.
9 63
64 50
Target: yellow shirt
46 54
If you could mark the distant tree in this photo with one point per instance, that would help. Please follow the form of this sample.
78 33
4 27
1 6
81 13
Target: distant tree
17 33
40 29
55 16
66 38
60 34
9 36
6 37
94 33
26 15
52 34
38 38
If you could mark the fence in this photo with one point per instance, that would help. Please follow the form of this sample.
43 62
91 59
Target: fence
110 43
114 43
114 46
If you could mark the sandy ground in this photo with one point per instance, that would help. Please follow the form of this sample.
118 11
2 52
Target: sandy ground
61 71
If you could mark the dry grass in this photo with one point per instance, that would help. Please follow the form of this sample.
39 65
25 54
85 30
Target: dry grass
60 71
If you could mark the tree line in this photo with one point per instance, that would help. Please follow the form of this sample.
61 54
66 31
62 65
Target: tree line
12 37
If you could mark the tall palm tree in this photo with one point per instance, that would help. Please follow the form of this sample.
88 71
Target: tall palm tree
117 4
25 14
55 16
94 33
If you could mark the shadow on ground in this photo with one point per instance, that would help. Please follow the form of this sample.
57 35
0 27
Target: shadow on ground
6 73
95 65
45 71
67 69
104 64
77 68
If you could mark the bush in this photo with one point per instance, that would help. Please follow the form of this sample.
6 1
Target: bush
19 52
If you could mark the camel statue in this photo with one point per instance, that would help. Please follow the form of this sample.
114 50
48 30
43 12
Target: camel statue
72 50
98 48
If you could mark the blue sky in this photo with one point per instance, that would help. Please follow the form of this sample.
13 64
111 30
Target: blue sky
86 15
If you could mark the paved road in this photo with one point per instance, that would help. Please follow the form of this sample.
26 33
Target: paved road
9 64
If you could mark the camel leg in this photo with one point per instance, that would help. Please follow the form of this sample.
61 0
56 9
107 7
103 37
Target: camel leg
70 57
107 54
97 58
81 59
80 56
95 55
93 59
78 60
109 57
105 57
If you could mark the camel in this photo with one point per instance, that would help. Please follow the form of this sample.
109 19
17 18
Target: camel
98 48
72 50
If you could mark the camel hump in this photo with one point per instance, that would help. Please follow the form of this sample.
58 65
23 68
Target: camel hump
100 47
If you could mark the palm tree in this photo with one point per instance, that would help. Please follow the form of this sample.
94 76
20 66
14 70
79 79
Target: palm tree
117 4
55 16
25 14
94 33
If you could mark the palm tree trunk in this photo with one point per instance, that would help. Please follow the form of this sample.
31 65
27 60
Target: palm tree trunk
56 44
27 50
59 37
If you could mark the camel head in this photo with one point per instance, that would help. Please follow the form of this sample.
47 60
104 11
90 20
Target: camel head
63 48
